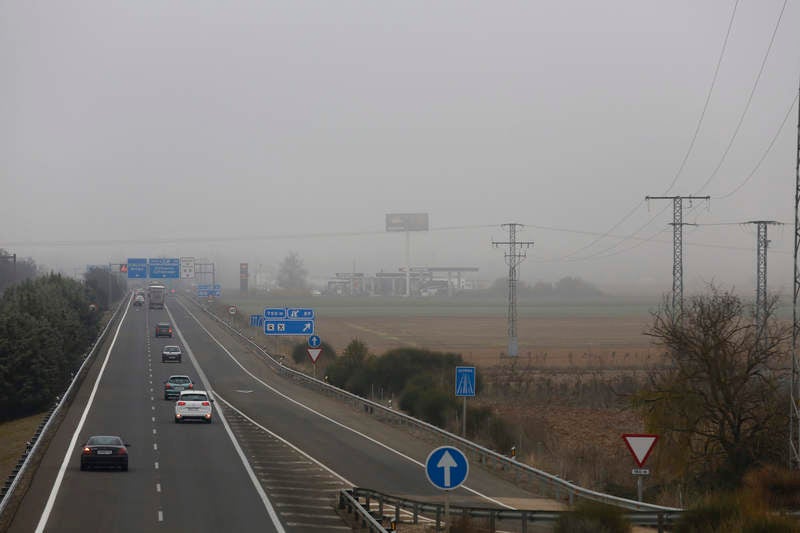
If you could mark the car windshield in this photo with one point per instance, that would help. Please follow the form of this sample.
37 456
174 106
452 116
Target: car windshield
194 397
180 381
104 441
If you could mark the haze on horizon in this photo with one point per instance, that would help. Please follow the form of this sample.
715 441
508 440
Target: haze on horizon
241 131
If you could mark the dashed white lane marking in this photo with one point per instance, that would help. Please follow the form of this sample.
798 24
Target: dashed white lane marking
158 487
156 465
155 446
151 398
153 407
160 516
154 431
154 419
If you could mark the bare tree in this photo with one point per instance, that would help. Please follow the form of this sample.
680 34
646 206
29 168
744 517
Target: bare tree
291 272
718 404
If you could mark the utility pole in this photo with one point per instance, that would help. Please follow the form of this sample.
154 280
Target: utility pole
794 410
517 252
762 243
677 245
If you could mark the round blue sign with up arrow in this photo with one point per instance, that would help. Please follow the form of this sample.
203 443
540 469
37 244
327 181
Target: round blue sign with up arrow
314 341
446 467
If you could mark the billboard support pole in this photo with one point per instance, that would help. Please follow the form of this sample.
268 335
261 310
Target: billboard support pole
408 264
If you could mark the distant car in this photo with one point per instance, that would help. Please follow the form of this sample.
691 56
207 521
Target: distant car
193 405
163 329
171 353
175 385
138 300
105 451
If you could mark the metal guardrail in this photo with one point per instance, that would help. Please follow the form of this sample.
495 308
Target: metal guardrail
24 463
350 503
546 485
435 511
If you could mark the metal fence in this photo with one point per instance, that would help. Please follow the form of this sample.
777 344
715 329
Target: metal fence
25 461
538 481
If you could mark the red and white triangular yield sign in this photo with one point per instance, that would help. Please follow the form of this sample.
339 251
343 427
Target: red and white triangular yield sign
313 354
640 446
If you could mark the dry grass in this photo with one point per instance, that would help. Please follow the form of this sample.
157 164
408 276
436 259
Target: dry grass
13 436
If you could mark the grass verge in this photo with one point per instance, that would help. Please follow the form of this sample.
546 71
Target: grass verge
13 436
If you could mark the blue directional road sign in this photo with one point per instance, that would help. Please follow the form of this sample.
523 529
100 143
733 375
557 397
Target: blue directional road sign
275 312
203 291
299 312
314 341
465 381
446 467
257 321
288 327
137 268
161 268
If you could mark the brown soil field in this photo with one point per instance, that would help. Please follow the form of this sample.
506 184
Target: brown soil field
483 340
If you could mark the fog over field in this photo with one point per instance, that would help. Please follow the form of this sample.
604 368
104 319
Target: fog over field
241 131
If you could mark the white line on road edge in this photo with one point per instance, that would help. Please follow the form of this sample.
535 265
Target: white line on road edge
51 500
329 419
253 478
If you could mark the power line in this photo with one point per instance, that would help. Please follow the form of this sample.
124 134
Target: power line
749 101
708 99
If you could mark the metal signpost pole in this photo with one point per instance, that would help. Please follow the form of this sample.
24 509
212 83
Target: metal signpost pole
639 486
447 511
464 419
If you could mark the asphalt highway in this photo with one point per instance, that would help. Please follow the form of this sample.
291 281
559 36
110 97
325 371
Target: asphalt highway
183 477
275 463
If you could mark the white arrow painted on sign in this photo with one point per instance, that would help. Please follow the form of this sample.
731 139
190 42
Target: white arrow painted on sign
447 462
307 326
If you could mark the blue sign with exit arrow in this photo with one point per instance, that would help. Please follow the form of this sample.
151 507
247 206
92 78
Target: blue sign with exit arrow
446 467
288 327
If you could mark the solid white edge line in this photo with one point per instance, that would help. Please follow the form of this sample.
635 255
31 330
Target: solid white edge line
48 508
336 422
253 478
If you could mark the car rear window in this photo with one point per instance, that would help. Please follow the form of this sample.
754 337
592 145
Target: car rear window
180 380
105 441
194 397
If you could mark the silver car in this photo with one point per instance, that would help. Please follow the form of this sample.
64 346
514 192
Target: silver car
171 353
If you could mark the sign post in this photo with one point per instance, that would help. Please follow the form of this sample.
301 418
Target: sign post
447 468
641 446
465 386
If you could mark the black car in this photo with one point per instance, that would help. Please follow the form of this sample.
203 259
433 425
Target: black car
105 451
163 329
171 353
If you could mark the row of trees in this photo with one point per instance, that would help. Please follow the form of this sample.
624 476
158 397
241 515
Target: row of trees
46 326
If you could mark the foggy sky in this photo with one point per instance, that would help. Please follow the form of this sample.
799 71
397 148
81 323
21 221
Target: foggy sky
152 121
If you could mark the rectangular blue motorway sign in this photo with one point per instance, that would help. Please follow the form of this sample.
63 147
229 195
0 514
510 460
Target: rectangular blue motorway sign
161 268
288 327
299 312
256 321
137 268
465 381
275 312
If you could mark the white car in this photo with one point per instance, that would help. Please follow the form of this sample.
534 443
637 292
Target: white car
193 405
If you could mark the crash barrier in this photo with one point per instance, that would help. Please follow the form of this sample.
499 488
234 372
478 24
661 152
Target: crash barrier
348 502
525 476
491 517
25 461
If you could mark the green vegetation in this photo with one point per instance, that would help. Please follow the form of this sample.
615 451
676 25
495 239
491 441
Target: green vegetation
738 512
16 434
592 517
718 402
46 326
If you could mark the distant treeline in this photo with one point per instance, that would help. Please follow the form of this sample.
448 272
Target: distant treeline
565 288
47 324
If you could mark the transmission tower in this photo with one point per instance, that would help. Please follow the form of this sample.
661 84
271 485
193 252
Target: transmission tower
677 245
794 412
761 276
517 252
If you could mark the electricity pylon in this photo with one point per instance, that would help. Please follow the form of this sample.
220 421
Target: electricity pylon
517 252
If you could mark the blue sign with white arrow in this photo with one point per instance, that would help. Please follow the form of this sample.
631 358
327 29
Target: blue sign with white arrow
465 381
257 321
314 341
137 268
299 313
288 327
446 467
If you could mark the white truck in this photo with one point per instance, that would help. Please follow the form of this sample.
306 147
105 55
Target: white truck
156 295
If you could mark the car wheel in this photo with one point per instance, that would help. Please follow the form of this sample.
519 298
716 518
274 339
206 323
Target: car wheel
177 420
